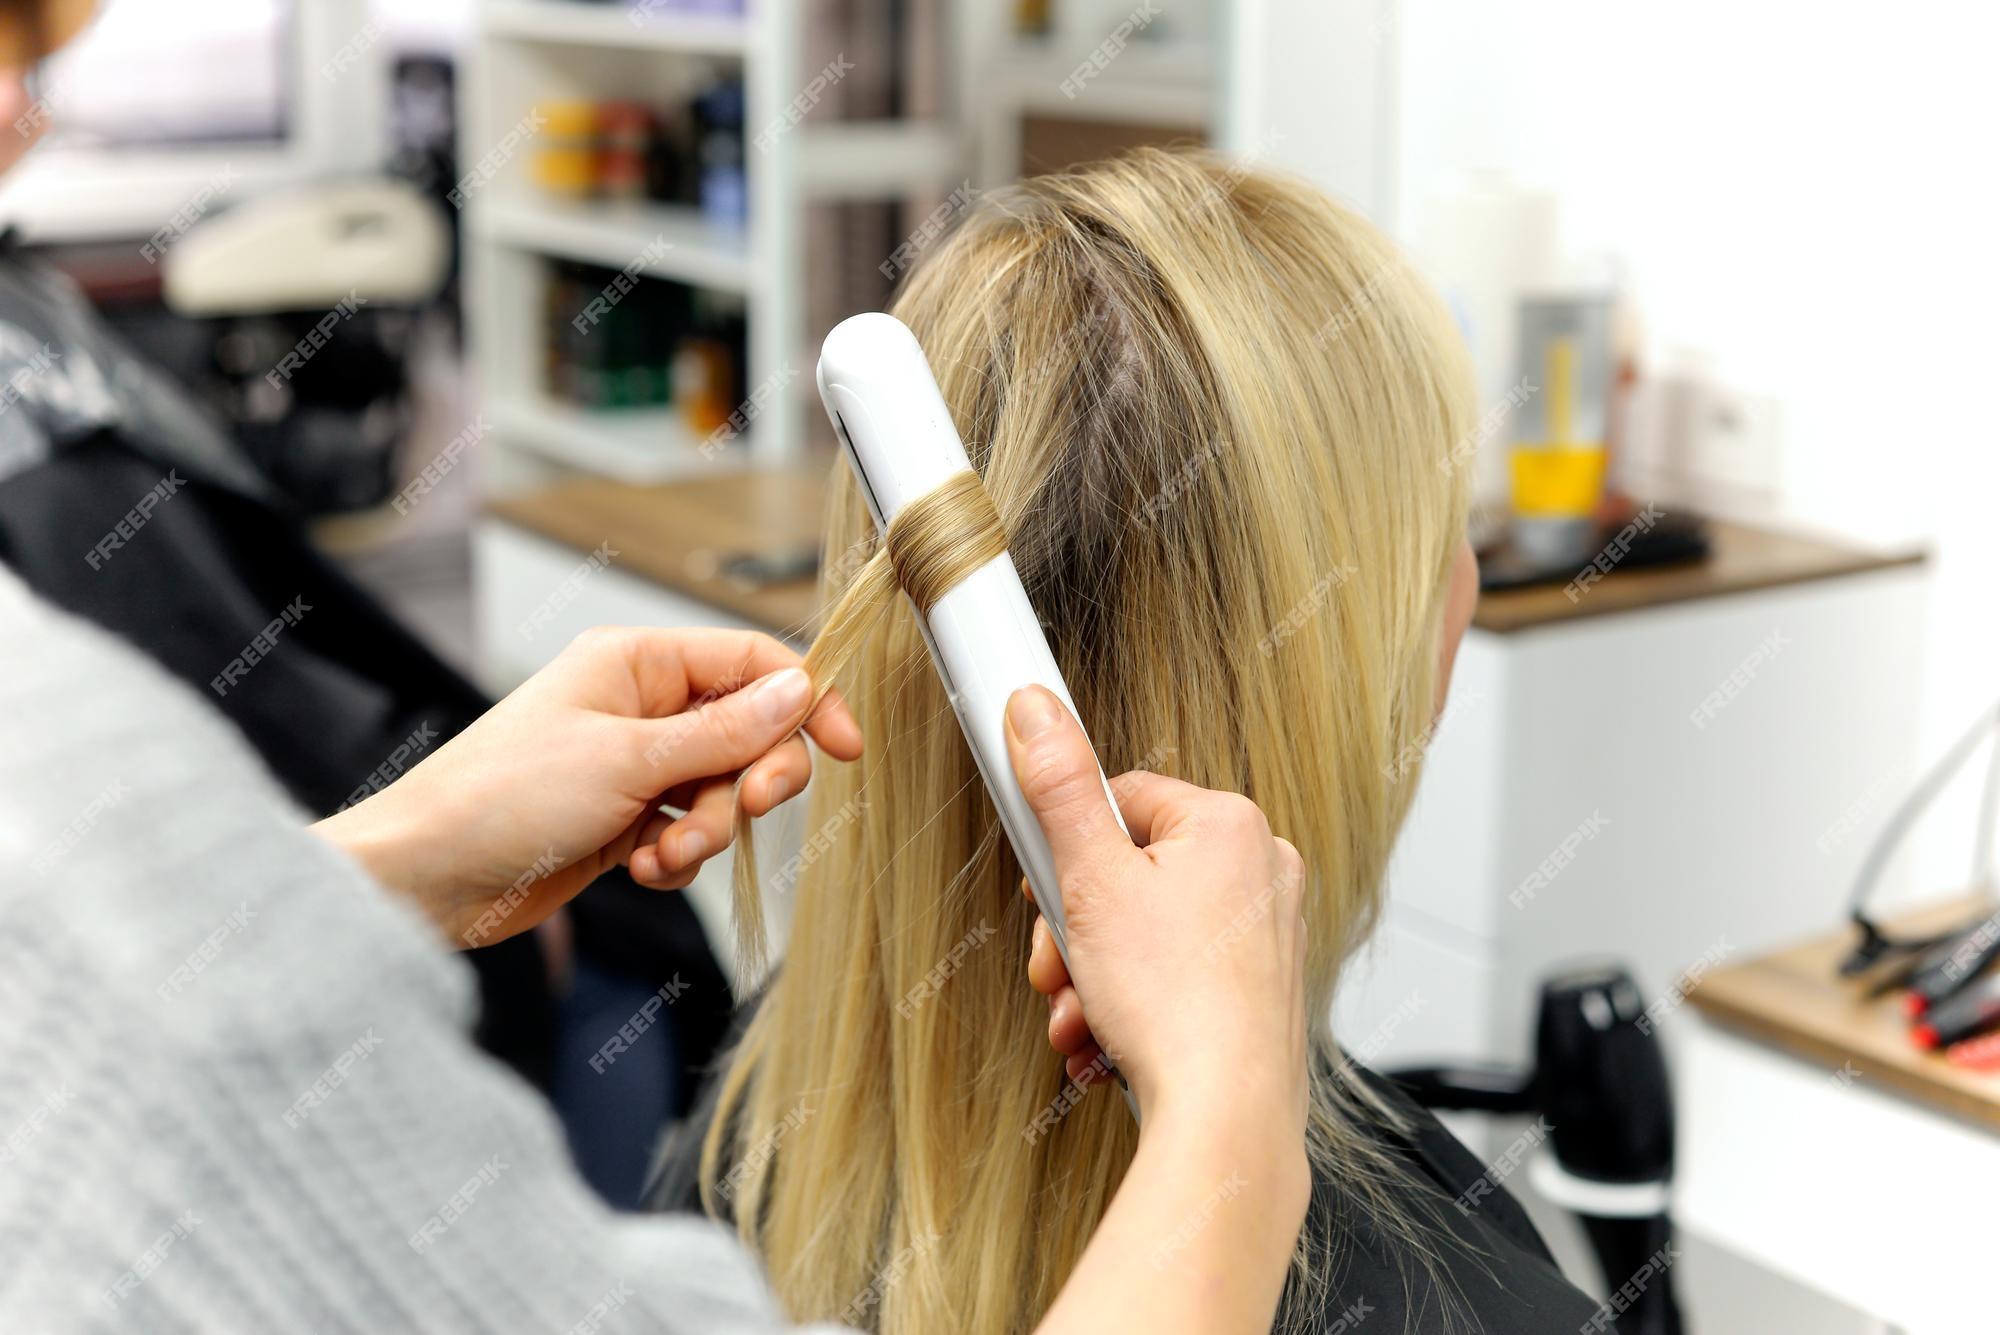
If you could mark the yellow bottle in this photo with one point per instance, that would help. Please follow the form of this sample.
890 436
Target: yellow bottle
1558 458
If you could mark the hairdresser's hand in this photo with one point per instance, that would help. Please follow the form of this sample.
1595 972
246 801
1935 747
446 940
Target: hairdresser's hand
1192 955
563 779
1189 949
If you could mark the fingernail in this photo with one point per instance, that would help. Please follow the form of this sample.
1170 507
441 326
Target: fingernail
781 696
1032 711
778 790
693 844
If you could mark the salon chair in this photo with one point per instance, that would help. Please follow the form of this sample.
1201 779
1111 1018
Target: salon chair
307 308
1601 1082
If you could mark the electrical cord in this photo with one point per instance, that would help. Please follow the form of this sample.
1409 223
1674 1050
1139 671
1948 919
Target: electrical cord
1875 944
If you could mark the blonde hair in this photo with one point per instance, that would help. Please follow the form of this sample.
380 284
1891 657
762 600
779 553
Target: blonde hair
1214 411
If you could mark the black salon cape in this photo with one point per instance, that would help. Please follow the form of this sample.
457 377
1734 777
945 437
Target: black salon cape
1498 1274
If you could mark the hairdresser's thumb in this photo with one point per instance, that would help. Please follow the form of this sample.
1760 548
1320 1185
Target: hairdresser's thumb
1059 776
725 734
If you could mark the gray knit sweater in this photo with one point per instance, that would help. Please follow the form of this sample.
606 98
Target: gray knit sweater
236 1089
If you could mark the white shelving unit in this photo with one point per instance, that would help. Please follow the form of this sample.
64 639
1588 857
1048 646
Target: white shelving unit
531 52
627 25
1166 76
614 235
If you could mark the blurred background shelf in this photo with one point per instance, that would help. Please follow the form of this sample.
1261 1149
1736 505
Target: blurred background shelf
873 159
1165 86
632 25
626 444
616 235
841 157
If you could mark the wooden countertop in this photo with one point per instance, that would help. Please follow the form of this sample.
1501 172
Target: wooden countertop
1742 560
677 534
1794 1000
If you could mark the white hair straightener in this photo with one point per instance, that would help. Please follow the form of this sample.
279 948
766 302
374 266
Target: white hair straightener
983 635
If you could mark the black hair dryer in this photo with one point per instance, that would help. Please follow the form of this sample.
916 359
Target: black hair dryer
1601 1082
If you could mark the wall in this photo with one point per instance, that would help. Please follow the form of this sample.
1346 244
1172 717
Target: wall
1806 196
1800 197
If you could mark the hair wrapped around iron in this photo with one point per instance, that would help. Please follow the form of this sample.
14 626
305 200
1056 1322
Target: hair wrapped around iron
938 539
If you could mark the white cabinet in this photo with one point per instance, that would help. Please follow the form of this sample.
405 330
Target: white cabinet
1688 837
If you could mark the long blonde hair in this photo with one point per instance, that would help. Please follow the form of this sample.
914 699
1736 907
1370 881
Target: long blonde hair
1215 412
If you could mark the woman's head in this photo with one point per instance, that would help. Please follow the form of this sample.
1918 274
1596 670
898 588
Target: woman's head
1216 414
